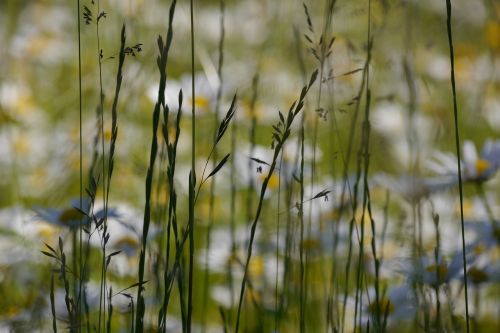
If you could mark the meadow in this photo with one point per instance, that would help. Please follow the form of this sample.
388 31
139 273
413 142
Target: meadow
250 166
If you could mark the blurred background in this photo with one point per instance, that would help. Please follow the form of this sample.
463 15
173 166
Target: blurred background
269 52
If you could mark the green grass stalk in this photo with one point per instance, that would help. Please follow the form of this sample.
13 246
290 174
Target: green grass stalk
52 305
214 162
346 188
252 140
172 205
302 288
80 146
102 296
276 278
192 178
280 135
110 310
459 166
172 213
160 103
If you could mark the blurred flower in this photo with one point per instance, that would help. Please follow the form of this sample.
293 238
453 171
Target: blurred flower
396 305
220 257
253 167
483 274
224 296
392 121
46 39
485 166
485 248
487 235
19 236
475 168
491 111
205 94
434 273
413 188
69 217
124 226
492 32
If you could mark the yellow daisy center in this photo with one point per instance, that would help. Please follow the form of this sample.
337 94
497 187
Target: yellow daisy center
69 215
107 134
256 266
200 102
480 248
47 231
482 166
274 181
492 33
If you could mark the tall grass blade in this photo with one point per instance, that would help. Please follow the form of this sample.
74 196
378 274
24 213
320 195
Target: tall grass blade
162 64
459 166
278 141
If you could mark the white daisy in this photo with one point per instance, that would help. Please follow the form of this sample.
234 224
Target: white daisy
476 168
412 188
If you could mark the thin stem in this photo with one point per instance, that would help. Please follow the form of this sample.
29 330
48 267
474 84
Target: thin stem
457 143
192 179
280 138
276 293
302 299
162 60
102 296
80 260
214 163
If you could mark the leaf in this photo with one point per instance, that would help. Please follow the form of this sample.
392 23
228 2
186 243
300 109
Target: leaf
61 245
281 117
121 292
259 161
296 178
313 78
81 211
52 304
99 222
219 166
180 98
50 248
114 253
352 72
227 119
160 43
308 39
323 193
48 254
331 43
108 259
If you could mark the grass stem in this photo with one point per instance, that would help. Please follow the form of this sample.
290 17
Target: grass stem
459 166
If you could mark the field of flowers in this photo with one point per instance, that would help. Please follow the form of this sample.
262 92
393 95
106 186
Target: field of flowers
250 166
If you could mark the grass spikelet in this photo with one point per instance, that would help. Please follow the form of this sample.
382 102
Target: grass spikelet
280 135
160 103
